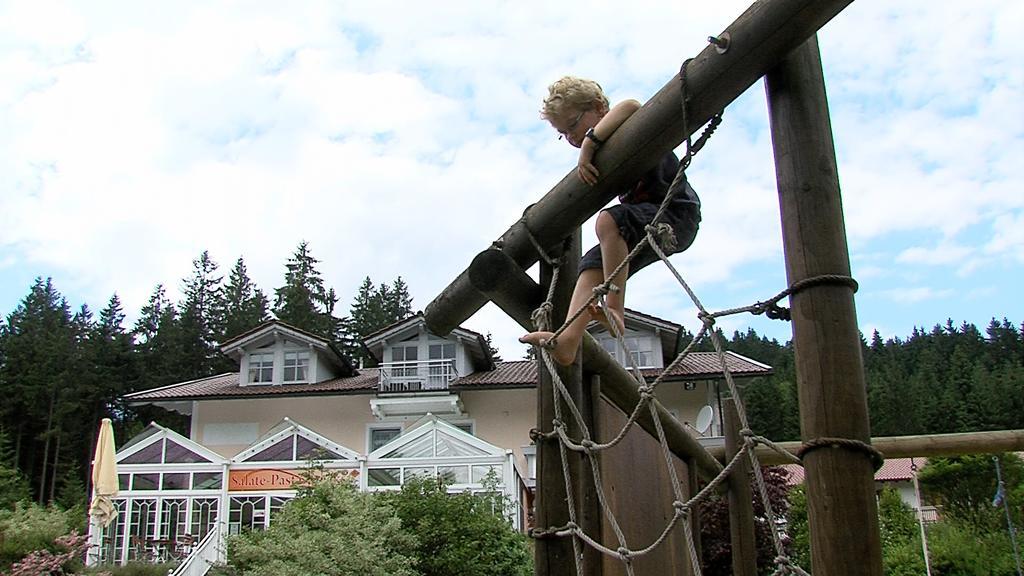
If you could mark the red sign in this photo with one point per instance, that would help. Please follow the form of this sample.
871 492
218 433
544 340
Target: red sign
273 479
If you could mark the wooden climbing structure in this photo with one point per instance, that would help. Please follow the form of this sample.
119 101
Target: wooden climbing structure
775 39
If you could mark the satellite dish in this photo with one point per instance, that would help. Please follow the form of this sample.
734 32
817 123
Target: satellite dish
704 417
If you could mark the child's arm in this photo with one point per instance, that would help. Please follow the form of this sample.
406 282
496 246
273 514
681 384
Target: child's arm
604 129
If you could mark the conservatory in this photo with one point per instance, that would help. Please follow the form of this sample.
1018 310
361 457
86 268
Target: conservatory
179 500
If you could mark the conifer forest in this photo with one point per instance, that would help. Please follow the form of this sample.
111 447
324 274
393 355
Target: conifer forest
63 370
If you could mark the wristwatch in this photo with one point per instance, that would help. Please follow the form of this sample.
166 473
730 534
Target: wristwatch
593 137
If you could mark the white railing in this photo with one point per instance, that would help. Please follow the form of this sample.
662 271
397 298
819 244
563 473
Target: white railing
203 555
417 376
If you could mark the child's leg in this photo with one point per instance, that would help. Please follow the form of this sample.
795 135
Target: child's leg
564 351
613 251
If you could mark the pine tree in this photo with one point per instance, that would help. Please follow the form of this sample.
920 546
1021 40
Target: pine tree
244 306
157 336
198 320
304 301
110 371
397 302
40 365
13 484
495 354
377 308
363 314
530 353
157 341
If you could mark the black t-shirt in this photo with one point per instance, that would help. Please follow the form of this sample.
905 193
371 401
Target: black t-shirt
654 184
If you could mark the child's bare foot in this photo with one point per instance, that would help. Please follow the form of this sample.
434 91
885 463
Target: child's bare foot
564 351
597 313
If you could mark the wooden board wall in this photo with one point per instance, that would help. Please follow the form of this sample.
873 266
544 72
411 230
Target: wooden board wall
639 490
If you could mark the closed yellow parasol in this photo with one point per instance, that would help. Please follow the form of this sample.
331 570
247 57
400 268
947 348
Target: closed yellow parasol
104 476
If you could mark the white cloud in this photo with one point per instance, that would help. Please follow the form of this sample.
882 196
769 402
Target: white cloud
401 139
1008 236
943 254
914 295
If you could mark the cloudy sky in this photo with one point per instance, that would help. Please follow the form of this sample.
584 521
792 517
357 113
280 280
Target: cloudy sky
401 138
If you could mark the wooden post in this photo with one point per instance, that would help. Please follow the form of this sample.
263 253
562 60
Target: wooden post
830 373
913 446
553 556
741 508
590 515
494 274
758 40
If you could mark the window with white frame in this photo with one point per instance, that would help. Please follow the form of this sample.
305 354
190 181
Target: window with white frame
296 366
380 436
442 364
406 357
442 351
642 350
261 367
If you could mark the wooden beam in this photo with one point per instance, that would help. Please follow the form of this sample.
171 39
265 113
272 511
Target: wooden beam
912 446
826 338
758 40
743 536
500 279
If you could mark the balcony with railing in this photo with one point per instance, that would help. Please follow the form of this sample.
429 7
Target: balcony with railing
417 376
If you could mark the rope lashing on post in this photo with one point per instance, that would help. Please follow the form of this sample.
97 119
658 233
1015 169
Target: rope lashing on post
771 308
877 458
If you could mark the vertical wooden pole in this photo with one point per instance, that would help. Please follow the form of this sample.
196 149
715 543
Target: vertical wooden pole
554 555
741 507
830 372
590 507
694 485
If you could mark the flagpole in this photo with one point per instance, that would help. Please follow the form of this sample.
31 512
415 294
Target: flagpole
1002 497
920 518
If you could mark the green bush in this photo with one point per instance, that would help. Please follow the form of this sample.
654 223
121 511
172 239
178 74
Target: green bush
901 545
896 520
13 487
957 548
797 528
466 534
30 527
964 486
903 558
329 529
900 533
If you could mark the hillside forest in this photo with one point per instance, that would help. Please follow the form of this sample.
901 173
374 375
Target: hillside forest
63 370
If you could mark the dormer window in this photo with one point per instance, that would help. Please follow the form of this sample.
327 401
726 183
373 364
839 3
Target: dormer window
641 348
642 351
444 351
261 368
296 366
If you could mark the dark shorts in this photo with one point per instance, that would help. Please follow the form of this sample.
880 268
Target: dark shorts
632 220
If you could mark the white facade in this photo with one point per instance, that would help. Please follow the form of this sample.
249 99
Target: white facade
435 406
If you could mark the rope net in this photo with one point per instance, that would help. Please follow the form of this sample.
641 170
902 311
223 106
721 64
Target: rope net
659 237
586 444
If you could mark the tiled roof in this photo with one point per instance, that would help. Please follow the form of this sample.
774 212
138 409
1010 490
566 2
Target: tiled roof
650 317
515 374
505 374
227 386
892 470
696 366
701 365
263 325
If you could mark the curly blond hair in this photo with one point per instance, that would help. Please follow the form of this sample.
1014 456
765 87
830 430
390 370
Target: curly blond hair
572 93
